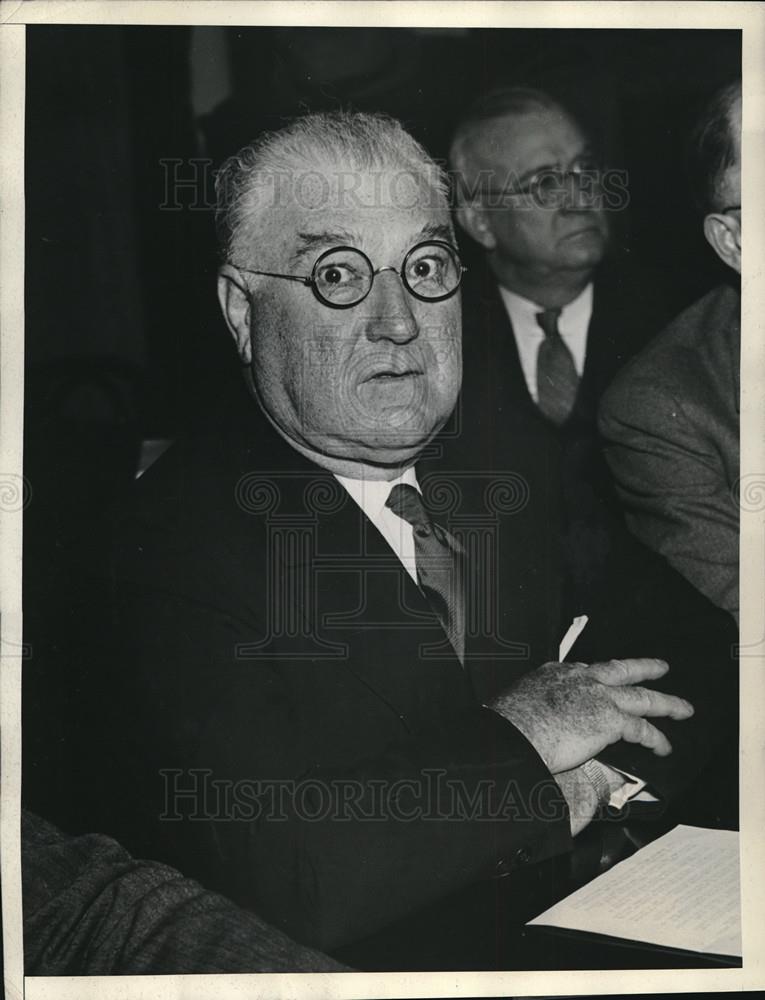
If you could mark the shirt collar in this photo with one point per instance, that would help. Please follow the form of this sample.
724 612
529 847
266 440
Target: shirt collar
573 314
372 494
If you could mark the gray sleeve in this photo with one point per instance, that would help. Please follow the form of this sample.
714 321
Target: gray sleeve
92 909
673 485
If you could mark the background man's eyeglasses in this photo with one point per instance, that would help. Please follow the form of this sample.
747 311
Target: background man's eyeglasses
343 276
550 187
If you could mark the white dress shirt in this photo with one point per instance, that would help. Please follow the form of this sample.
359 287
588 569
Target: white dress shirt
573 324
371 495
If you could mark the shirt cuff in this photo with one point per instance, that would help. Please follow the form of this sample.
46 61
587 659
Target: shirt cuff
630 787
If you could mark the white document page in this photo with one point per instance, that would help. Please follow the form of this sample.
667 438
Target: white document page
681 891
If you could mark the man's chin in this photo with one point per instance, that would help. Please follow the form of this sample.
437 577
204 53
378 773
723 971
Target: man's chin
585 248
386 447
382 446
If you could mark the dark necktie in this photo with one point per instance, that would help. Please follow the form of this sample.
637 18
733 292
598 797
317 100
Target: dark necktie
557 380
439 562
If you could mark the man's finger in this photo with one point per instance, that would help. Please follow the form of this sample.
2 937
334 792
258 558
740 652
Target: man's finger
644 701
628 671
639 730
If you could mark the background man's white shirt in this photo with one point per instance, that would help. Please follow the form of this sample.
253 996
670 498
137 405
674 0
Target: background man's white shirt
573 324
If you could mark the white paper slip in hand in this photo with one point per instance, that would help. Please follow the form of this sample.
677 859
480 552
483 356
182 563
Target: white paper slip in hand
575 629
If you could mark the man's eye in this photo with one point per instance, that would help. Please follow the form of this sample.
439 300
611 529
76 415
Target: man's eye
333 275
336 274
426 268
546 180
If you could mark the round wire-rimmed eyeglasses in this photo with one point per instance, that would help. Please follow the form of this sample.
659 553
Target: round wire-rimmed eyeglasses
343 276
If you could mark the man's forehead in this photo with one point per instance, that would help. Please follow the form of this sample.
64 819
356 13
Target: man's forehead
730 188
532 138
382 232
380 209
339 187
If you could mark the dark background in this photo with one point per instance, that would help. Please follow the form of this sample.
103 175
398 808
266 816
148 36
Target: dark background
124 340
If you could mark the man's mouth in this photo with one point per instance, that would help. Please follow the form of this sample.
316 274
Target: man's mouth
389 375
582 231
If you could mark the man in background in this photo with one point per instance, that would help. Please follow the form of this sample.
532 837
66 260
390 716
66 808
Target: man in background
671 419
548 321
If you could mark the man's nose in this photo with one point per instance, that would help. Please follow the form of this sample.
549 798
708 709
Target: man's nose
389 315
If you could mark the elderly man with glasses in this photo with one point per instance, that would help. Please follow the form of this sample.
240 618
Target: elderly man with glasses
286 690
554 309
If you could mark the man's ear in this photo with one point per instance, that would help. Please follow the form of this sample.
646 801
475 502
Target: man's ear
234 298
475 221
723 233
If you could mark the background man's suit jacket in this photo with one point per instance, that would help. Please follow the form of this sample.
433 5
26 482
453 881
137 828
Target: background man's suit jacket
671 428
253 625
495 406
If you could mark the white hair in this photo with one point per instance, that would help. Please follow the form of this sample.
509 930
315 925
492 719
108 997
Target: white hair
504 102
349 141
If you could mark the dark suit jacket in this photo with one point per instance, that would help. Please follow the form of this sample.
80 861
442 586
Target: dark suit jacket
253 625
495 408
671 429
259 631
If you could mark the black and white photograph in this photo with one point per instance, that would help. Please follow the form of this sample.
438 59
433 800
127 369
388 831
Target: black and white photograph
382 524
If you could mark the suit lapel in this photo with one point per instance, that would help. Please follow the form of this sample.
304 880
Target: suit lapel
505 362
609 345
505 515
493 362
401 651
358 608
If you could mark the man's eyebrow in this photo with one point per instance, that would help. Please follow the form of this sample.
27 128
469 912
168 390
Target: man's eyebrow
435 231
543 168
310 244
585 153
